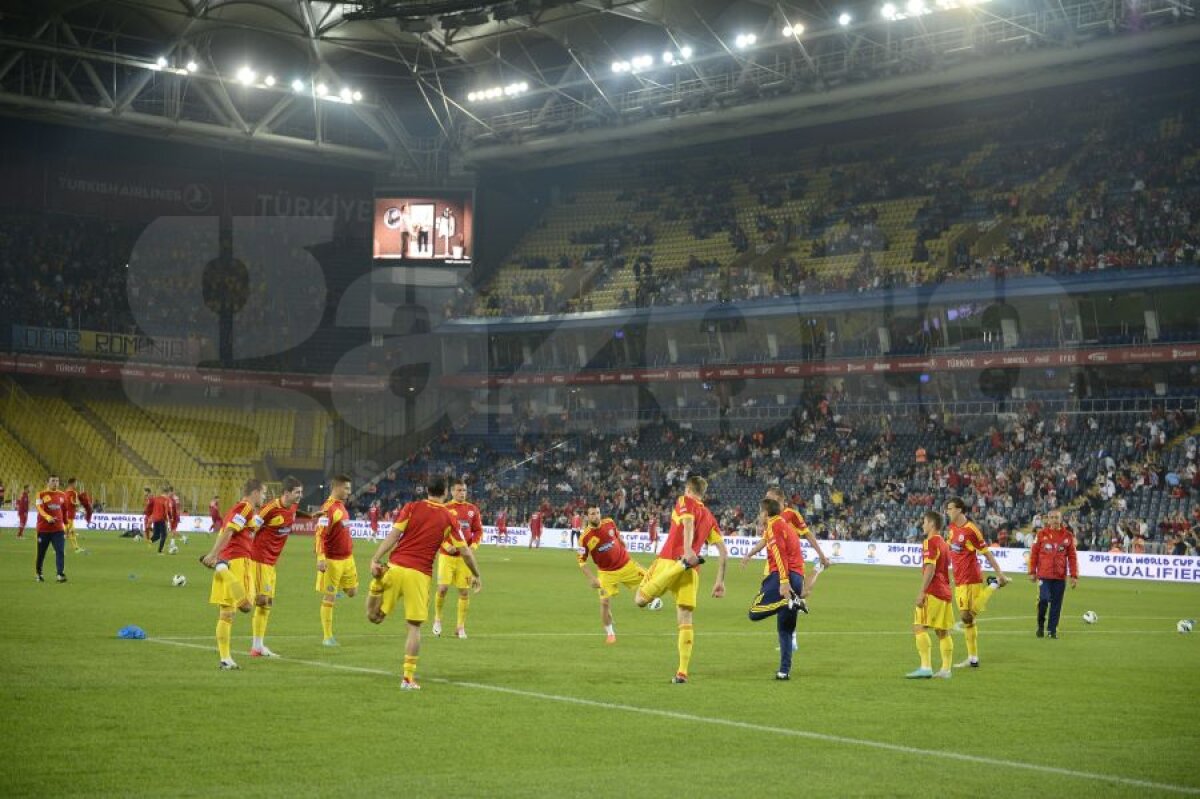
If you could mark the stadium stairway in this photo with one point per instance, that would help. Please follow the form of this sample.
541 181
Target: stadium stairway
108 434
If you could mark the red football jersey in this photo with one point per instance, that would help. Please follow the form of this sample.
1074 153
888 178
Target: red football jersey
1052 556
965 542
23 502
793 517
50 505
470 525
502 522
373 517
273 525
425 524
333 532
173 512
159 508
70 503
241 542
603 543
535 524
214 510
705 527
937 552
783 547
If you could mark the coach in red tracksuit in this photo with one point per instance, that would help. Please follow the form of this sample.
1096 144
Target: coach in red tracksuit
1051 560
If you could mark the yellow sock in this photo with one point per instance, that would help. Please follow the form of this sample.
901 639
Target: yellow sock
947 646
972 635
925 649
685 647
74 541
258 622
463 603
224 633
327 619
410 667
439 602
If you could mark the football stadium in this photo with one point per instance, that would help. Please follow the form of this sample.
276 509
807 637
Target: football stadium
652 398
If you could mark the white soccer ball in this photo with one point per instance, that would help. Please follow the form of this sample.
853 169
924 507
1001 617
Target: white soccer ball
1185 625
1090 617
179 580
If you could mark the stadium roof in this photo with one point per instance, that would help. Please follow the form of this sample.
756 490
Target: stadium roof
426 87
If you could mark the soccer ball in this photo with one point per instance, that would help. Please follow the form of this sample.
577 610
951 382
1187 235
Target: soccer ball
1090 617
179 580
1185 625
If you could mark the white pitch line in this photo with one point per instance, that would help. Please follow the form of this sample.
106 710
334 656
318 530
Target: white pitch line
743 725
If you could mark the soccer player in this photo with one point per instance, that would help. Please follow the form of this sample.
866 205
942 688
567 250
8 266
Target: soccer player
173 509
214 513
502 526
70 505
780 594
402 568
85 500
535 529
452 569
970 593
652 527
51 529
676 568
601 541
373 520
160 517
576 528
273 525
1051 559
336 572
934 610
23 510
233 572
147 512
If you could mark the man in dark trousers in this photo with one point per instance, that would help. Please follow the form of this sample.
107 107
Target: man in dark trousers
1051 559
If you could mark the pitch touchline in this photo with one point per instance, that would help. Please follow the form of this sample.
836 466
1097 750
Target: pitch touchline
741 725
707 634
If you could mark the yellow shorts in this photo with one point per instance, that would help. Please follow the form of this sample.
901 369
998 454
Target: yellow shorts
973 597
937 614
630 575
242 570
452 570
666 575
264 578
401 582
338 576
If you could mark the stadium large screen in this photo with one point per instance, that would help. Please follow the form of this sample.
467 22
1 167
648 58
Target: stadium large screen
424 227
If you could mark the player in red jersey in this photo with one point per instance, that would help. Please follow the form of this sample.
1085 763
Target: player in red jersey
535 529
970 593
676 568
402 567
780 594
373 520
214 513
576 525
70 506
160 518
502 527
934 609
336 570
233 572
148 511
602 542
272 526
652 528
1052 559
452 569
85 501
51 529
23 510
174 509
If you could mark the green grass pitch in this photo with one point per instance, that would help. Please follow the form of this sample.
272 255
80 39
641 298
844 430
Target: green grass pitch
535 704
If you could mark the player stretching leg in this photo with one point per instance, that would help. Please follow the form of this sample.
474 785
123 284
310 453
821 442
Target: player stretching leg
233 574
71 504
933 610
780 592
452 569
602 542
402 566
970 593
676 568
